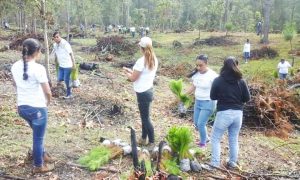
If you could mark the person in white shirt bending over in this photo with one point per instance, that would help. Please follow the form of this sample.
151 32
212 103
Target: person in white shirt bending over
283 68
142 75
246 51
65 59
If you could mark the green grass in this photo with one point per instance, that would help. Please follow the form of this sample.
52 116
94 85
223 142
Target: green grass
85 42
281 146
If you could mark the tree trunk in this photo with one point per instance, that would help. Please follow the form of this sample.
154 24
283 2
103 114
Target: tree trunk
45 28
68 19
293 11
225 16
267 11
34 25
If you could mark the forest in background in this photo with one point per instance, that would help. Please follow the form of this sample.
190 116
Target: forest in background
164 15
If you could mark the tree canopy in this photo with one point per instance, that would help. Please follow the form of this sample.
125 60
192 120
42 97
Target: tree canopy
158 14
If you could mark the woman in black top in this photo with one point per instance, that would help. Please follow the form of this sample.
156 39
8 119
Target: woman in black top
231 92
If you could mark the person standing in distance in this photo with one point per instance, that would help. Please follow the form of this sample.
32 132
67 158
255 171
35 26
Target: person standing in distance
64 57
33 97
231 92
246 51
142 75
283 68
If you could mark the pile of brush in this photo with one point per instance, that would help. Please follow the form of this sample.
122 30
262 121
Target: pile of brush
277 110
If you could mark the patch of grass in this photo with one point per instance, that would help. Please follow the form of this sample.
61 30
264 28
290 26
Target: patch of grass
281 146
85 42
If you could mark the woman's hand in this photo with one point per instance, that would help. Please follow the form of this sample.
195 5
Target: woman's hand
127 70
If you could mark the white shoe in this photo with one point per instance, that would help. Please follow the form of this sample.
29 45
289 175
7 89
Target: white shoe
68 97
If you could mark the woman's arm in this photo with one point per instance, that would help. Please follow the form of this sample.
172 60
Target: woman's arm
191 90
132 75
47 92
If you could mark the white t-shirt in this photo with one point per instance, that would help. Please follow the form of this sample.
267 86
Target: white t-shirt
203 83
132 29
284 67
246 47
30 92
145 81
62 51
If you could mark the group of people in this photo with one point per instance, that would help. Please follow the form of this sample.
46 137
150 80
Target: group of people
226 92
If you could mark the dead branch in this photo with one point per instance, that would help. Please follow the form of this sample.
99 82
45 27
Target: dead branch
216 177
7 176
99 169
253 175
228 171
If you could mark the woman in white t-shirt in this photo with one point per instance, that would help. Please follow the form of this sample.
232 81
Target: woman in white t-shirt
33 97
204 106
142 75
283 68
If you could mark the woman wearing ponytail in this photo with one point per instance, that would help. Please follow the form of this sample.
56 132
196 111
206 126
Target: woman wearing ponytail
142 75
33 97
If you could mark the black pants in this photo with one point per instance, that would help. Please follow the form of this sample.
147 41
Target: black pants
144 101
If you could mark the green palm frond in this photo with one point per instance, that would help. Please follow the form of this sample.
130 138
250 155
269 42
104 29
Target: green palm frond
180 139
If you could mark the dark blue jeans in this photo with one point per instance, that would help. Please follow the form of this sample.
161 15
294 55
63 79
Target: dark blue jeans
144 101
37 120
64 75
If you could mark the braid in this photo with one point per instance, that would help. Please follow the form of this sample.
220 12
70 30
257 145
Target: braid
25 54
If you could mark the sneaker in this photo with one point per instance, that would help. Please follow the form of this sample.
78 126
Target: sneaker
200 145
206 167
43 169
68 97
233 166
142 142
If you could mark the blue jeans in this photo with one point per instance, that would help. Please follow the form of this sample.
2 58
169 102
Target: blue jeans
203 109
144 101
282 76
37 120
231 120
246 56
64 75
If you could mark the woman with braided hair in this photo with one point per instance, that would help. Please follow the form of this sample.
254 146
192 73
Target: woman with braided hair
33 97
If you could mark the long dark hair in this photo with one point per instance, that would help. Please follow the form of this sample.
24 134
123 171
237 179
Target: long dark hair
30 46
230 67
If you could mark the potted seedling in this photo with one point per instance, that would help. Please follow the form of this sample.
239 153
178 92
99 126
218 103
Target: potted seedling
179 139
185 101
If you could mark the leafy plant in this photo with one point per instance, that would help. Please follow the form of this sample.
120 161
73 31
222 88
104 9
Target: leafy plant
176 87
171 166
275 74
97 157
289 32
228 27
179 139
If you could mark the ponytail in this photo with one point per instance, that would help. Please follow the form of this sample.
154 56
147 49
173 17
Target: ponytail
149 57
25 54
30 46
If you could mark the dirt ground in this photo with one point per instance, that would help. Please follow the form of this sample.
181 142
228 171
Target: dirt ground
72 131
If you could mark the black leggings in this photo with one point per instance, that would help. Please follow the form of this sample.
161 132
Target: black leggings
144 100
